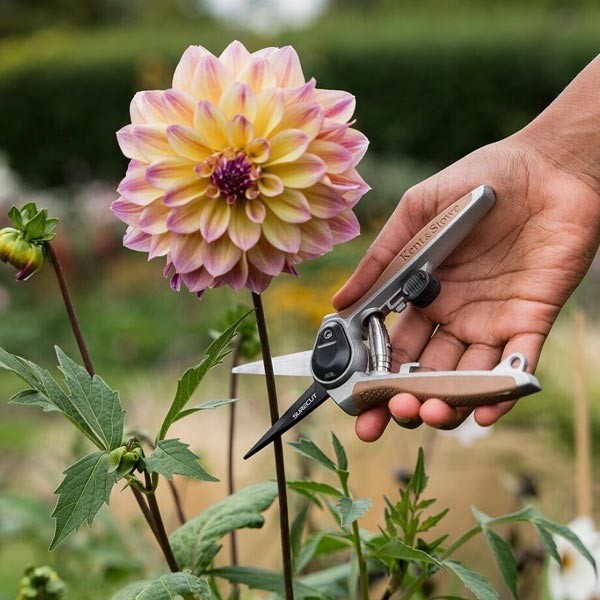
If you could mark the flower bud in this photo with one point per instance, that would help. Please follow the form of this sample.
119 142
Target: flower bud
41 583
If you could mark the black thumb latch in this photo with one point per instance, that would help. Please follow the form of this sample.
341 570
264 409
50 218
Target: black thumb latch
421 288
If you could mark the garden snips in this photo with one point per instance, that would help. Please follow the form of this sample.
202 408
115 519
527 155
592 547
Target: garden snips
351 358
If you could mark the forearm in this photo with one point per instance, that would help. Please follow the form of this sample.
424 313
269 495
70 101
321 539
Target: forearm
567 133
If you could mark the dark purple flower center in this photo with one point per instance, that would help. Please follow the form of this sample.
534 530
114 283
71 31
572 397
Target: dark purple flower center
232 177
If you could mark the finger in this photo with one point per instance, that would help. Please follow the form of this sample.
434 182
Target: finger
528 344
477 357
410 333
370 425
404 409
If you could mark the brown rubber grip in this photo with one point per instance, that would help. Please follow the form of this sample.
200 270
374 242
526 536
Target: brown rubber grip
458 391
432 229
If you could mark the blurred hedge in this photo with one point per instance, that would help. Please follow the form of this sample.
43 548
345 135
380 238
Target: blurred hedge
420 95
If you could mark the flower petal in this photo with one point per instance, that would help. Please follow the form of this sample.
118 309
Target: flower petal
317 238
337 158
220 256
135 188
243 232
257 281
333 131
307 116
136 239
159 245
210 80
284 236
265 257
239 99
212 124
236 277
185 252
302 173
324 201
197 280
258 74
151 141
235 57
351 185
287 68
214 219
255 210
185 191
258 150
179 107
356 143
165 172
240 132
188 143
338 105
153 218
286 146
185 219
126 211
344 227
302 93
290 206
269 112
147 107
270 185
183 78
126 141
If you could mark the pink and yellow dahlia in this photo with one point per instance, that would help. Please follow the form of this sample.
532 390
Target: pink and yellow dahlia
239 171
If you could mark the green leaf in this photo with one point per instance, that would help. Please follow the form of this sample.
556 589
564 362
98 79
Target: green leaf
269 581
187 385
168 587
296 531
548 543
196 543
321 544
396 549
505 559
314 487
83 491
33 398
475 582
98 404
15 216
172 457
352 510
418 481
331 581
340 453
432 521
311 450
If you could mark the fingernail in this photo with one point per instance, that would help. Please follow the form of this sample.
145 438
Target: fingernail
407 423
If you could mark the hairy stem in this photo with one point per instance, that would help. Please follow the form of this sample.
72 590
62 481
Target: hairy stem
149 514
64 290
284 522
160 533
233 381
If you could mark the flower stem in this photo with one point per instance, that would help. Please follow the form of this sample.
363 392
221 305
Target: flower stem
160 532
64 290
284 524
152 516
233 381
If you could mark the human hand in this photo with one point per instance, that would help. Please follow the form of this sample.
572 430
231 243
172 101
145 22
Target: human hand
502 289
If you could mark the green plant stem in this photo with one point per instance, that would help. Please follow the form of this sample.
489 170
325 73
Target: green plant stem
233 384
64 290
362 565
160 532
284 521
154 523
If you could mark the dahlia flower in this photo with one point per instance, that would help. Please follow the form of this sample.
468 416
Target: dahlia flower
239 171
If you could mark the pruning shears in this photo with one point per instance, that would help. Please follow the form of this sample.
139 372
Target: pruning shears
351 359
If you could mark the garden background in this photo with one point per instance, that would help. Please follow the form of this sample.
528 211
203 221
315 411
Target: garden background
433 80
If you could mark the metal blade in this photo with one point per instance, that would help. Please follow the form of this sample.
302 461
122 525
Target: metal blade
313 397
294 365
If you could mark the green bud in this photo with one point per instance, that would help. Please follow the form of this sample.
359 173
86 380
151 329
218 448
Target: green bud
41 583
128 463
114 458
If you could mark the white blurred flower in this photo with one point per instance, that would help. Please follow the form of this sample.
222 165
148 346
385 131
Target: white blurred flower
267 16
468 432
576 580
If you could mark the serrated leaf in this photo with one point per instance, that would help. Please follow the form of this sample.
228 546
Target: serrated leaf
314 487
97 403
33 398
478 584
196 543
396 549
432 521
187 385
340 453
168 587
418 481
83 491
311 450
351 510
548 542
505 559
269 581
173 457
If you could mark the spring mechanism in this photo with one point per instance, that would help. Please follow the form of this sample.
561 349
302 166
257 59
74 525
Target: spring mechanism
380 349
